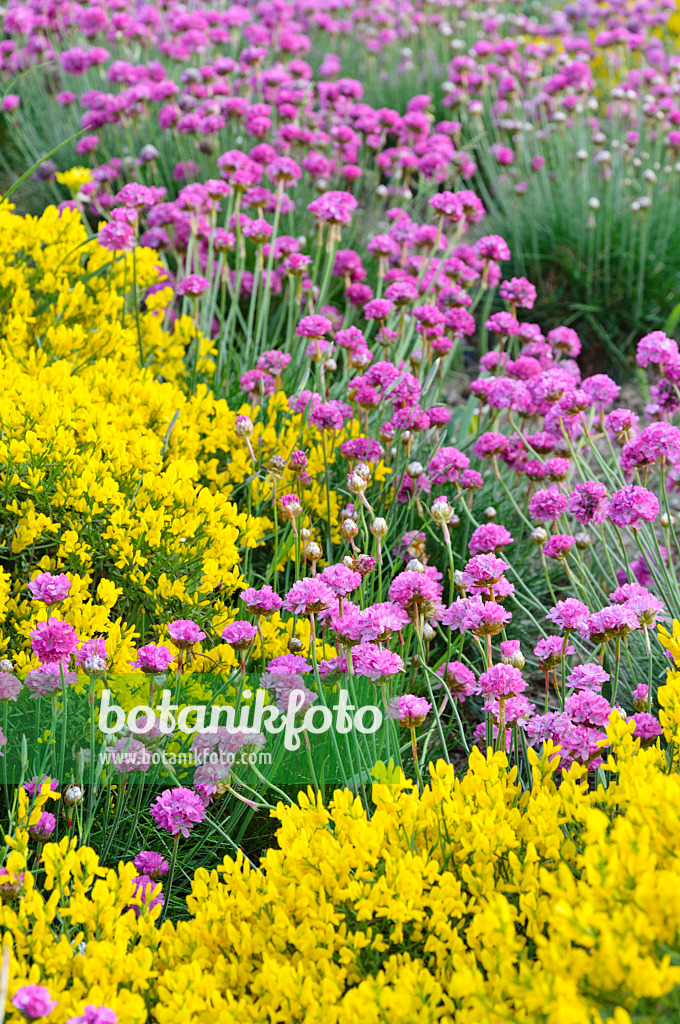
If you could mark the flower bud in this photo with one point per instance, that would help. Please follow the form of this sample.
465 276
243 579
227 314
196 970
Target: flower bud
441 511
429 632
277 465
6 665
363 469
356 483
294 645
289 506
414 470
95 666
349 528
489 513
666 521
583 540
72 796
243 426
378 527
458 579
539 535
313 551
415 565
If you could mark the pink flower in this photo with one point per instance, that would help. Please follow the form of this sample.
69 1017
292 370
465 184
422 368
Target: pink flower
587 677
309 596
99 1014
261 602
559 545
152 658
10 686
193 285
117 237
658 348
588 708
177 811
44 827
340 579
631 506
412 589
54 641
152 864
647 727
569 614
547 505
50 589
502 681
588 502
33 1002
483 618
376 663
149 891
94 648
410 711
185 633
459 680
240 635
484 571
551 651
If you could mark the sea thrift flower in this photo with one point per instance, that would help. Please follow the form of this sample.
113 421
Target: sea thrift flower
411 590
559 545
588 502
502 681
633 506
152 864
551 650
483 571
177 811
614 621
309 596
240 635
44 827
483 618
489 538
193 285
459 680
647 727
376 663
153 658
547 505
410 711
341 580
658 348
185 633
261 602
569 614
101 1014
587 677
50 589
10 686
588 707
54 641
33 1002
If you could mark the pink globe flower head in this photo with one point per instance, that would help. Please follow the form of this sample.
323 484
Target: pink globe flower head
185 633
569 614
411 590
648 608
354 627
588 502
489 538
194 285
484 571
309 596
96 1014
44 827
376 663
547 505
482 618
587 707
152 864
177 811
611 623
647 727
290 507
558 545
262 602
50 589
587 677
341 580
410 711
632 506
459 680
88 649
10 686
117 236
657 348
551 651
33 1002
54 641
518 292
153 658
129 755
502 681
240 635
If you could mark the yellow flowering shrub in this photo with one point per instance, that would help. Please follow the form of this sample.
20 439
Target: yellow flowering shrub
473 902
